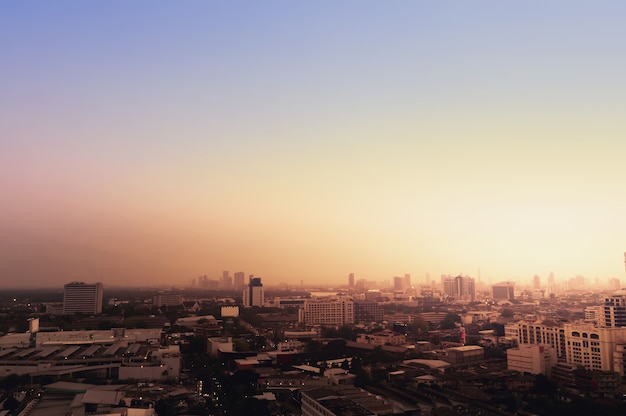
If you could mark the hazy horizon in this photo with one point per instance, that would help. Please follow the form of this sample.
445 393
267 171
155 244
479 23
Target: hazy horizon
149 143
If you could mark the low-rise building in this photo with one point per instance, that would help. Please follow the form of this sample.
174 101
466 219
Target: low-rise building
384 337
467 354
343 400
531 359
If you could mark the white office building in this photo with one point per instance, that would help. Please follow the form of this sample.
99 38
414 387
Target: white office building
531 359
80 297
330 313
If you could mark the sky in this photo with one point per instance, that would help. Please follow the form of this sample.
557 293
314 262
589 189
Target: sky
147 143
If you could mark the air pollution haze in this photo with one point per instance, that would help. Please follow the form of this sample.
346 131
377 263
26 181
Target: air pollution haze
147 143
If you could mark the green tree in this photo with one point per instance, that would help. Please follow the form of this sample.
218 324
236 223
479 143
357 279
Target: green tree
447 323
507 313
11 404
346 332
418 326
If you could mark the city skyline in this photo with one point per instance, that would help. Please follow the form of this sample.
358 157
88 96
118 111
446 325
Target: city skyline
149 143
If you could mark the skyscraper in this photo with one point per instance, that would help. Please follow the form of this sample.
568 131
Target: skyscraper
240 278
407 281
253 293
536 282
227 281
460 287
351 280
398 283
503 291
82 297
615 310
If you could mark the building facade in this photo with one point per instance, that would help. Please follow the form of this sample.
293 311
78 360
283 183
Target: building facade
531 359
584 345
614 309
365 312
330 313
80 297
460 287
503 291
253 293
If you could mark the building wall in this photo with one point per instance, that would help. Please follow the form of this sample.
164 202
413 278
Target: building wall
82 297
328 313
253 293
464 355
167 299
537 333
532 359
585 345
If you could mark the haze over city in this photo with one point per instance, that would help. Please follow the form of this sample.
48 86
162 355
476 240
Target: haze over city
149 143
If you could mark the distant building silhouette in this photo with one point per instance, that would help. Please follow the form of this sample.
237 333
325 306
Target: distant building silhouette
167 299
226 282
253 293
351 280
536 282
615 310
503 291
327 312
398 283
240 278
82 297
460 287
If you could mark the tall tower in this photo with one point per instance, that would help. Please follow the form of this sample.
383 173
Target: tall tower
536 281
253 293
240 278
226 282
351 280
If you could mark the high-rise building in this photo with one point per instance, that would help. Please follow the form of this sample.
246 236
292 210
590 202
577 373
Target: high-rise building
351 280
82 297
240 278
398 283
407 281
253 293
536 282
503 291
226 282
366 312
614 284
460 287
332 312
614 310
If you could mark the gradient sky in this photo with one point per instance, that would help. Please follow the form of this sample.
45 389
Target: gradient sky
148 142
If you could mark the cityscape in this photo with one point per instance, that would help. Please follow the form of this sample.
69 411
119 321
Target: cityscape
328 208
232 345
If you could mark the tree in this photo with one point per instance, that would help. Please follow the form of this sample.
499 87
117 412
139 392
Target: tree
447 323
418 326
346 332
378 374
11 381
356 365
507 313
543 385
163 408
11 403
